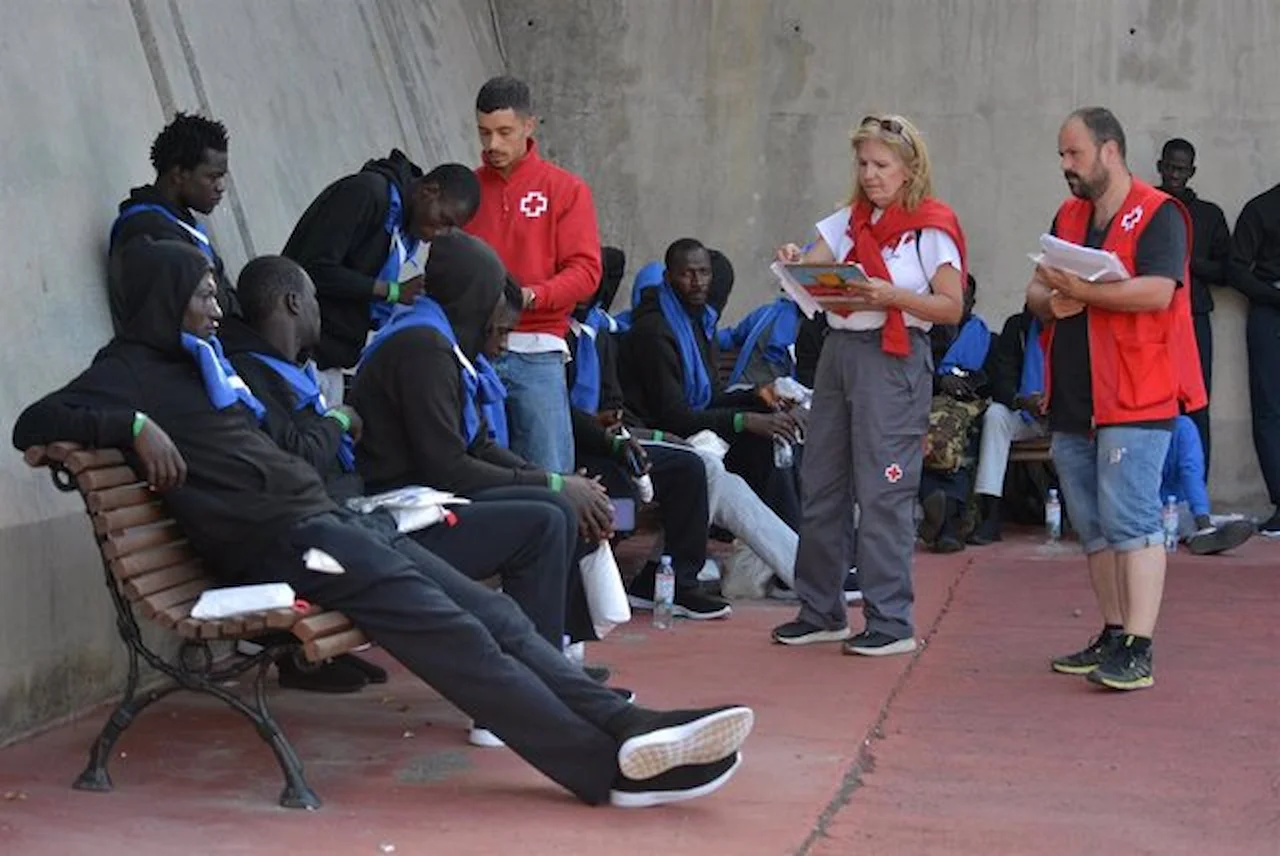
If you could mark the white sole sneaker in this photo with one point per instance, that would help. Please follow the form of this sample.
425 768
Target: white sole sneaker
678 611
484 738
815 637
647 799
704 740
902 646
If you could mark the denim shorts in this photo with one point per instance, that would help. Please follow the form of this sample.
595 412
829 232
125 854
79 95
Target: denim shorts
1111 485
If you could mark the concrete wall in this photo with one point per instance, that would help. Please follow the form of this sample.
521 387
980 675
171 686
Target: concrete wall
309 89
729 120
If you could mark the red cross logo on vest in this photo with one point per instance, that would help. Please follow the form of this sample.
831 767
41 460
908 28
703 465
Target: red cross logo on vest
893 473
534 204
1130 221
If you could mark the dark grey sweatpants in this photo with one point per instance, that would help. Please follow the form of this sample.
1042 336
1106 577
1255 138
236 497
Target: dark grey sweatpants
865 445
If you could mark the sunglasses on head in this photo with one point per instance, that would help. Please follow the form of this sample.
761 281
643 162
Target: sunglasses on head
893 126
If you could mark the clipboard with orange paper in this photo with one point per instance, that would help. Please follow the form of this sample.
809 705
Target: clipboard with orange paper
822 287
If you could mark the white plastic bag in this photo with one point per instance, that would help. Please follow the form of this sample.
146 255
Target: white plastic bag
709 442
237 600
606 597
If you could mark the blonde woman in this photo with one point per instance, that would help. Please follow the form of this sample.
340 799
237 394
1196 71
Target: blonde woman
873 386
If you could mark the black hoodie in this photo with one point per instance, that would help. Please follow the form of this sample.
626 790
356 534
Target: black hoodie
409 391
342 241
157 227
302 432
242 492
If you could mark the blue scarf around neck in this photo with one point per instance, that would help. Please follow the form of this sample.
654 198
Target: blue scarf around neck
969 350
585 393
305 386
197 233
1032 380
491 393
221 383
380 310
696 379
480 383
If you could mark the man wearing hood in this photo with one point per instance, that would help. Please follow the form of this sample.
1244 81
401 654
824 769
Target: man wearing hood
541 220
422 386
530 546
359 241
190 159
163 393
1210 256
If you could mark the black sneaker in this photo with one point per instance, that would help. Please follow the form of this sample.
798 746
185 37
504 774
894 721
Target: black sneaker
697 606
640 592
623 693
677 785
873 643
1128 668
1270 527
652 742
1219 539
947 543
1089 657
599 674
852 589
374 673
328 677
803 633
988 532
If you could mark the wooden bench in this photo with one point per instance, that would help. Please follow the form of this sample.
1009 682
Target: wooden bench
151 570
1031 451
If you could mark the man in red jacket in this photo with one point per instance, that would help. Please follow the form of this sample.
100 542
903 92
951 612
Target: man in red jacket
542 222
1111 422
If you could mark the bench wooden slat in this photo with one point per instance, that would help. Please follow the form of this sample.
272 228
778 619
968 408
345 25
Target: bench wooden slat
152 560
117 545
91 480
221 628
326 647
118 497
281 619
136 588
127 517
92 459
323 624
174 614
153 604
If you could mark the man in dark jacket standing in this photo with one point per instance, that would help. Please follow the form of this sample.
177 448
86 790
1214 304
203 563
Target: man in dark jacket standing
163 393
190 159
1255 273
1210 254
359 241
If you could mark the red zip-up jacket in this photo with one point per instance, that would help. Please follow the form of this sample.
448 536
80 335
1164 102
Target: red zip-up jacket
1142 364
542 223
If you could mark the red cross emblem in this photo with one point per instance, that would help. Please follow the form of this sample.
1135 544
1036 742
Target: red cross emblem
534 204
893 473
1131 220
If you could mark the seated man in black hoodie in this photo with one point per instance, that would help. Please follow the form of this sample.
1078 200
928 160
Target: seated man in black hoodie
163 393
670 378
359 239
190 159
679 479
527 544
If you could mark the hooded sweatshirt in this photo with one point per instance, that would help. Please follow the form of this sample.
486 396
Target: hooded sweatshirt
242 492
542 223
343 241
147 213
409 387
298 430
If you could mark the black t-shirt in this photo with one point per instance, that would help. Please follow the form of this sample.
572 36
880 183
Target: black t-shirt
1162 251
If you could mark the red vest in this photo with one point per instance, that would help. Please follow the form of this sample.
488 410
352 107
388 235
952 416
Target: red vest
1142 364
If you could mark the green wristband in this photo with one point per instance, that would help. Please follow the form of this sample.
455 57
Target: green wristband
739 423
555 481
393 292
657 436
139 422
341 418
617 444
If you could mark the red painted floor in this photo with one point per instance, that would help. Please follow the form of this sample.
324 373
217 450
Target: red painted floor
974 746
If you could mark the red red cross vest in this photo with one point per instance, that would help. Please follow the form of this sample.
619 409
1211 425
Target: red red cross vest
1142 364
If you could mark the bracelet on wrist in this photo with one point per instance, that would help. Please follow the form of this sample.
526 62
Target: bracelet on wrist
139 422
393 292
341 418
739 423
555 481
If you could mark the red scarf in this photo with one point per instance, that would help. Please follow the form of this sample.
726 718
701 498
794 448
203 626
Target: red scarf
869 239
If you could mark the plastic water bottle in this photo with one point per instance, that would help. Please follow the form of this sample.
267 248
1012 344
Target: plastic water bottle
644 484
1053 516
783 455
664 594
1169 523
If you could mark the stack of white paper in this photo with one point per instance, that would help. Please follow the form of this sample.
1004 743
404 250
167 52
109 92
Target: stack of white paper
1089 264
413 507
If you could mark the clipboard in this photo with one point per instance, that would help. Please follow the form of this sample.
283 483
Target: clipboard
821 287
